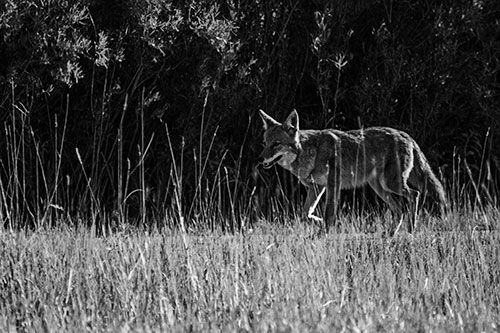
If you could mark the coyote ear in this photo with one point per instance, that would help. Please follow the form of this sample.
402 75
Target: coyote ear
292 121
268 120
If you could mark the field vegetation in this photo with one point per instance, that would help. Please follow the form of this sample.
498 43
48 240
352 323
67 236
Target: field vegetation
271 278
129 196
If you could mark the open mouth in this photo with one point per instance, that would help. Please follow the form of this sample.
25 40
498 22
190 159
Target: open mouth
267 165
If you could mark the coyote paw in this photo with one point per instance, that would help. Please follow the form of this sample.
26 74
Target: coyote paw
314 218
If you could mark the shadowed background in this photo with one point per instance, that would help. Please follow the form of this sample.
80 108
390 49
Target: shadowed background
129 111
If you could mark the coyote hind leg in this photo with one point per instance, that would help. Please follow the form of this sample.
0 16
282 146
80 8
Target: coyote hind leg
394 195
391 200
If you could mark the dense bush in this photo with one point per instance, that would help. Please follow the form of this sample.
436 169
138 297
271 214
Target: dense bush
90 90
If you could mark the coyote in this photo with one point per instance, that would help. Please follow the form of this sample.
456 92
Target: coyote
387 159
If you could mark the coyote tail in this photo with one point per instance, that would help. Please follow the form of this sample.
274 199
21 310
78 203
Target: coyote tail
433 190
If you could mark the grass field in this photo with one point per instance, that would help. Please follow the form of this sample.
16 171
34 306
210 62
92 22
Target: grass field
272 278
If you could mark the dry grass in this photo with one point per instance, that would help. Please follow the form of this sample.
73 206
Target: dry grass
272 278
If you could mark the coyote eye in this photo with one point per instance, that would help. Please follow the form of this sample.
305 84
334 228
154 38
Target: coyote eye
275 145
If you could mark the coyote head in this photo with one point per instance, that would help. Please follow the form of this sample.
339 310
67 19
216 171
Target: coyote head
281 140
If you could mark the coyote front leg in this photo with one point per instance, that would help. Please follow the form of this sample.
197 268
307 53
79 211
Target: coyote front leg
312 200
333 191
332 198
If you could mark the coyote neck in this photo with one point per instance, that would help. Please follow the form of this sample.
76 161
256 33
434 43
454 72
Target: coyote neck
288 160
300 164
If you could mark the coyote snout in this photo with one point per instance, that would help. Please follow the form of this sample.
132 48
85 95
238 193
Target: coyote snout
386 159
268 161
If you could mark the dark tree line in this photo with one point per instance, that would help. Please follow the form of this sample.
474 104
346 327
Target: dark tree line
111 107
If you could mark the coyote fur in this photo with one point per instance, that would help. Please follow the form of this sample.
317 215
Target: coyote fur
387 159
